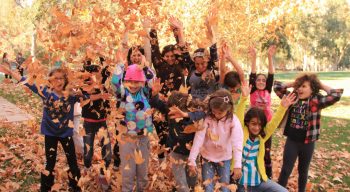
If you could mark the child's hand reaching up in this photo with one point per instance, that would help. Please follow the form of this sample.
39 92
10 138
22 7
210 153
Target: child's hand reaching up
288 100
246 88
156 87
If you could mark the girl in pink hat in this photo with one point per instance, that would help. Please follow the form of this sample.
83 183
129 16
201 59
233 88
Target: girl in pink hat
132 95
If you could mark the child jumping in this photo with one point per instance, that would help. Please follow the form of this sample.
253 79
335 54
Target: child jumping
219 142
302 123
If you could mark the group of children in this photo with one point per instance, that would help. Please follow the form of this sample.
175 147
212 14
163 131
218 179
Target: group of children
233 143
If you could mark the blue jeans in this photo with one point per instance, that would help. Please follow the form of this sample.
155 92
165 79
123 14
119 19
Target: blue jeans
223 171
91 130
264 186
185 182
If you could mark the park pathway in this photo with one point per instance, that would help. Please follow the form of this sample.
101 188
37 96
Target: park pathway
9 112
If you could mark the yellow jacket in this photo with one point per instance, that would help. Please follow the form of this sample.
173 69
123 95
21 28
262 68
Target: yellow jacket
269 130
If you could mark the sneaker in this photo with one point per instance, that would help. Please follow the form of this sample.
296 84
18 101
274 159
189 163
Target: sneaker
102 181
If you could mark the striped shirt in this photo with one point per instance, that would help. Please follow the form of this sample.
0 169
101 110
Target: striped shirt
250 173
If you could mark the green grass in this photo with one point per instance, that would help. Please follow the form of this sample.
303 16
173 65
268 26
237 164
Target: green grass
337 75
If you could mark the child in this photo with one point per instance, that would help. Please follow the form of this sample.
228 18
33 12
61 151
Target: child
95 120
260 96
202 78
222 134
56 124
302 123
169 69
133 97
177 139
257 130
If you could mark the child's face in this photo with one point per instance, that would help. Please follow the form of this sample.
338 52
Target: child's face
136 56
133 86
219 114
200 64
169 57
254 126
235 93
304 91
57 81
260 82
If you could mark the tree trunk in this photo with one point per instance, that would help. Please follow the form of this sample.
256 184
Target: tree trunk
33 47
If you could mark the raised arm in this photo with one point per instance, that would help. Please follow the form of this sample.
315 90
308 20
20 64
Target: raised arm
281 88
227 54
252 55
146 24
155 51
270 54
287 100
177 27
333 95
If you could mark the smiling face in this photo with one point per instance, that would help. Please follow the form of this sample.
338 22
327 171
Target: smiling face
133 86
136 56
200 64
254 126
260 82
169 57
57 81
304 91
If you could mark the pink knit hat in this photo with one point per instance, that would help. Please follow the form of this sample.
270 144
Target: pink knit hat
134 73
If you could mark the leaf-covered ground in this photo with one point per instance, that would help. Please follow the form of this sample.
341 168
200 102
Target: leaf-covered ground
22 153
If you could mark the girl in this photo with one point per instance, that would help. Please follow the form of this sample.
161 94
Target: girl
222 135
202 78
95 119
178 139
133 97
302 123
260 96
57 123
257 130
169 68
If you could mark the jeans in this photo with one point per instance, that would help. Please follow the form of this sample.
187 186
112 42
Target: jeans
90 130
67 143
184 181
292 151
130 170
221 168
264 186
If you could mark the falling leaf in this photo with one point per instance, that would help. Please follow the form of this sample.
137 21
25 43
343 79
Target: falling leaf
138 157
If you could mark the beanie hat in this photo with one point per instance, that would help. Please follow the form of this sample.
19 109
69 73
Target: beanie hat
134 73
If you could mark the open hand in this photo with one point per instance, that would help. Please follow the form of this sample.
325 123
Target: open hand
156 87
271 51
175 112
175 23
288 100
245 89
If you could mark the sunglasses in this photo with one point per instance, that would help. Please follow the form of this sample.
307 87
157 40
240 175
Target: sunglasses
92 68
